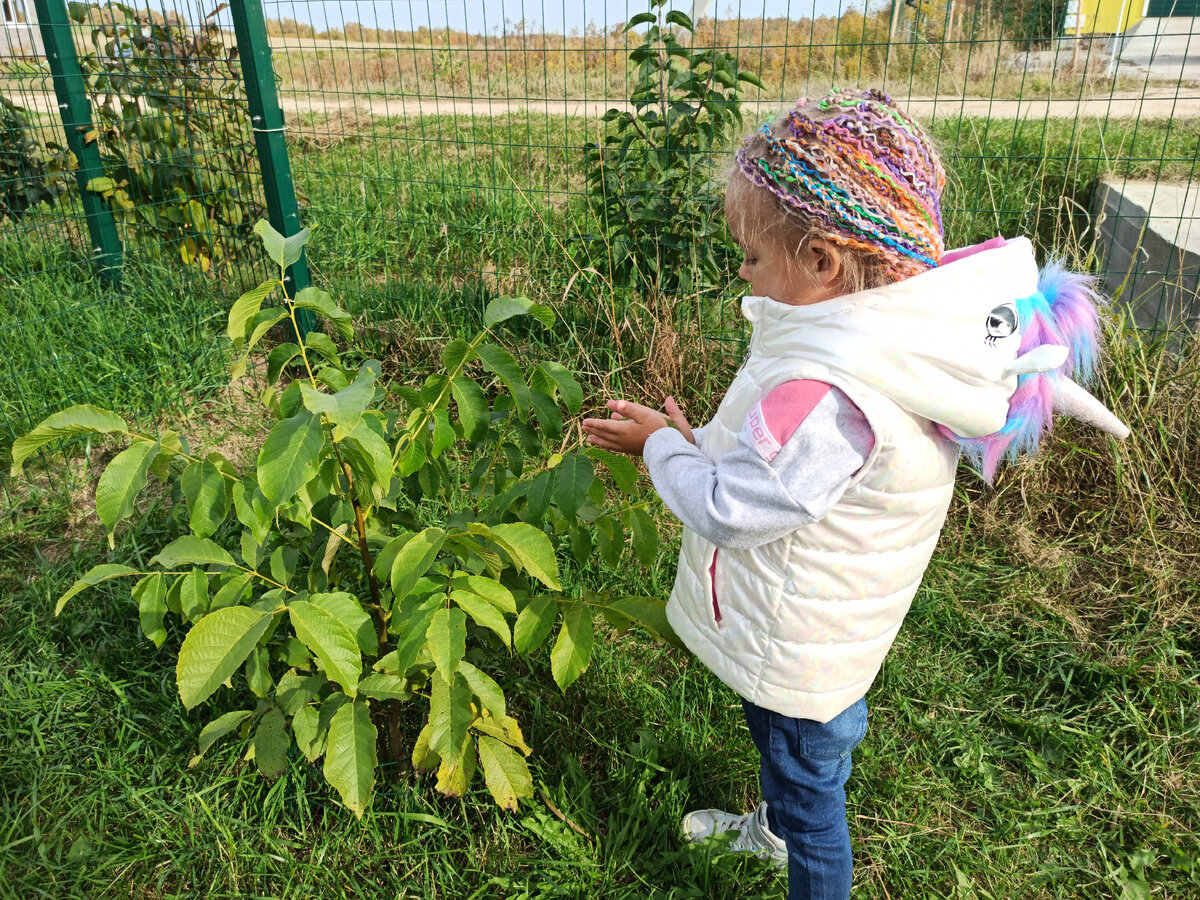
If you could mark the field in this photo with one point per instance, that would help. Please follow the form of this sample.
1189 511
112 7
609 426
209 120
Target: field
1034 731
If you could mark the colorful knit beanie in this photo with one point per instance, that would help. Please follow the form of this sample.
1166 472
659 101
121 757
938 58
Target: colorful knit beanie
861 170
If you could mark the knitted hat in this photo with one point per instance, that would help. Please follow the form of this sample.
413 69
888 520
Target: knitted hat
861 170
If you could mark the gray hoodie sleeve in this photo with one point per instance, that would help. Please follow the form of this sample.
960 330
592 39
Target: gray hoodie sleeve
758 493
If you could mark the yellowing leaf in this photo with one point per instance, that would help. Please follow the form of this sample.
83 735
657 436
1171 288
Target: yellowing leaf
505 772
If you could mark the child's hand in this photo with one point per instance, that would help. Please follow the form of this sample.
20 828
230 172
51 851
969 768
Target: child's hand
631 423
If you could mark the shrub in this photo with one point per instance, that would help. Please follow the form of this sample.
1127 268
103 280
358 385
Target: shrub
376 532
650 184
173 130
30 174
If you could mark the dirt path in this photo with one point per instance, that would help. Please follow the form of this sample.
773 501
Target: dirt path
1159 104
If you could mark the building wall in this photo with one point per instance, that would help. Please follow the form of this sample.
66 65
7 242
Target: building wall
1103 16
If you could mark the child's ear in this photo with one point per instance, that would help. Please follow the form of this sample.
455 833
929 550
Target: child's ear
827 258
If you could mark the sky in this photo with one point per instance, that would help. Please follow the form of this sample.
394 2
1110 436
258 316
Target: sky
491 16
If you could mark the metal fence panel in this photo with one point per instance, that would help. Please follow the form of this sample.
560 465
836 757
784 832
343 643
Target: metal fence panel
439 147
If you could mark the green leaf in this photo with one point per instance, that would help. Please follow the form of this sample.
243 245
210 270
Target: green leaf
232 592
150 594
94 576
573 477
751 78
549 418
648 612
539 495
504 308
505 772
443 433
645 535
530 549
621 468
345 408
456 354
207 493
217 729
675 17
492 591
258 672
568 388
447 637
244 310
321 344
309 732
500 363
347 609
350 758
101 185
271 744
483 686
288 459
295 691
573 648
253 509
279 358
214 649
332 642
610 539
415 621
284 251
449 713
121 482
414 559
319 301
82 419
192 550
641 19
534 624
385 687
193 594
472 406
171 445
483 614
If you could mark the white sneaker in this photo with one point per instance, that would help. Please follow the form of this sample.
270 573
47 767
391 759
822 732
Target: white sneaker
753 835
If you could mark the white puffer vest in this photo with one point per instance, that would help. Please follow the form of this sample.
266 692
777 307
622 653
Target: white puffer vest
801 625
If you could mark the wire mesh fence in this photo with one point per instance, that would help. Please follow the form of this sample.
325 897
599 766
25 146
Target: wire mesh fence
441 148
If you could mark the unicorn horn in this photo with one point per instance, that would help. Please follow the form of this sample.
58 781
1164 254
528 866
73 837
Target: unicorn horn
1072 400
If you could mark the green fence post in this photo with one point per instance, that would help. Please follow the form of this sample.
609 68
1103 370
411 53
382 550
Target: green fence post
254 50
76 114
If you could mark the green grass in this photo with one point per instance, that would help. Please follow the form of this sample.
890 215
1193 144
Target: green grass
1034 731
422 220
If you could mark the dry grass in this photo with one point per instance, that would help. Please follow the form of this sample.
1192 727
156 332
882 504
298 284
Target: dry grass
1110 530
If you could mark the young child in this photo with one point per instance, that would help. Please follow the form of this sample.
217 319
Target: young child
813 500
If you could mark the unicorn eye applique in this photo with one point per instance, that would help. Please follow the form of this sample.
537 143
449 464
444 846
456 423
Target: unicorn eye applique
1001 323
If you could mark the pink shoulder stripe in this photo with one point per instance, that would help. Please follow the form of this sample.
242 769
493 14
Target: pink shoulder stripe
776 417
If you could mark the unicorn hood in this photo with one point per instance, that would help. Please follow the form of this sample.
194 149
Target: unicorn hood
982 345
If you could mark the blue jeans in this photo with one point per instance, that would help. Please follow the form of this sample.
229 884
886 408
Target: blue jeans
805 765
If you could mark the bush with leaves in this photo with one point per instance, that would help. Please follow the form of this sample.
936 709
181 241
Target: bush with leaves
650 183
30 173
173 129
394 544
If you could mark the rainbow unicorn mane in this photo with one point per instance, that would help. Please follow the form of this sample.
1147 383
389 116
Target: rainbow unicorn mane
1063 312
